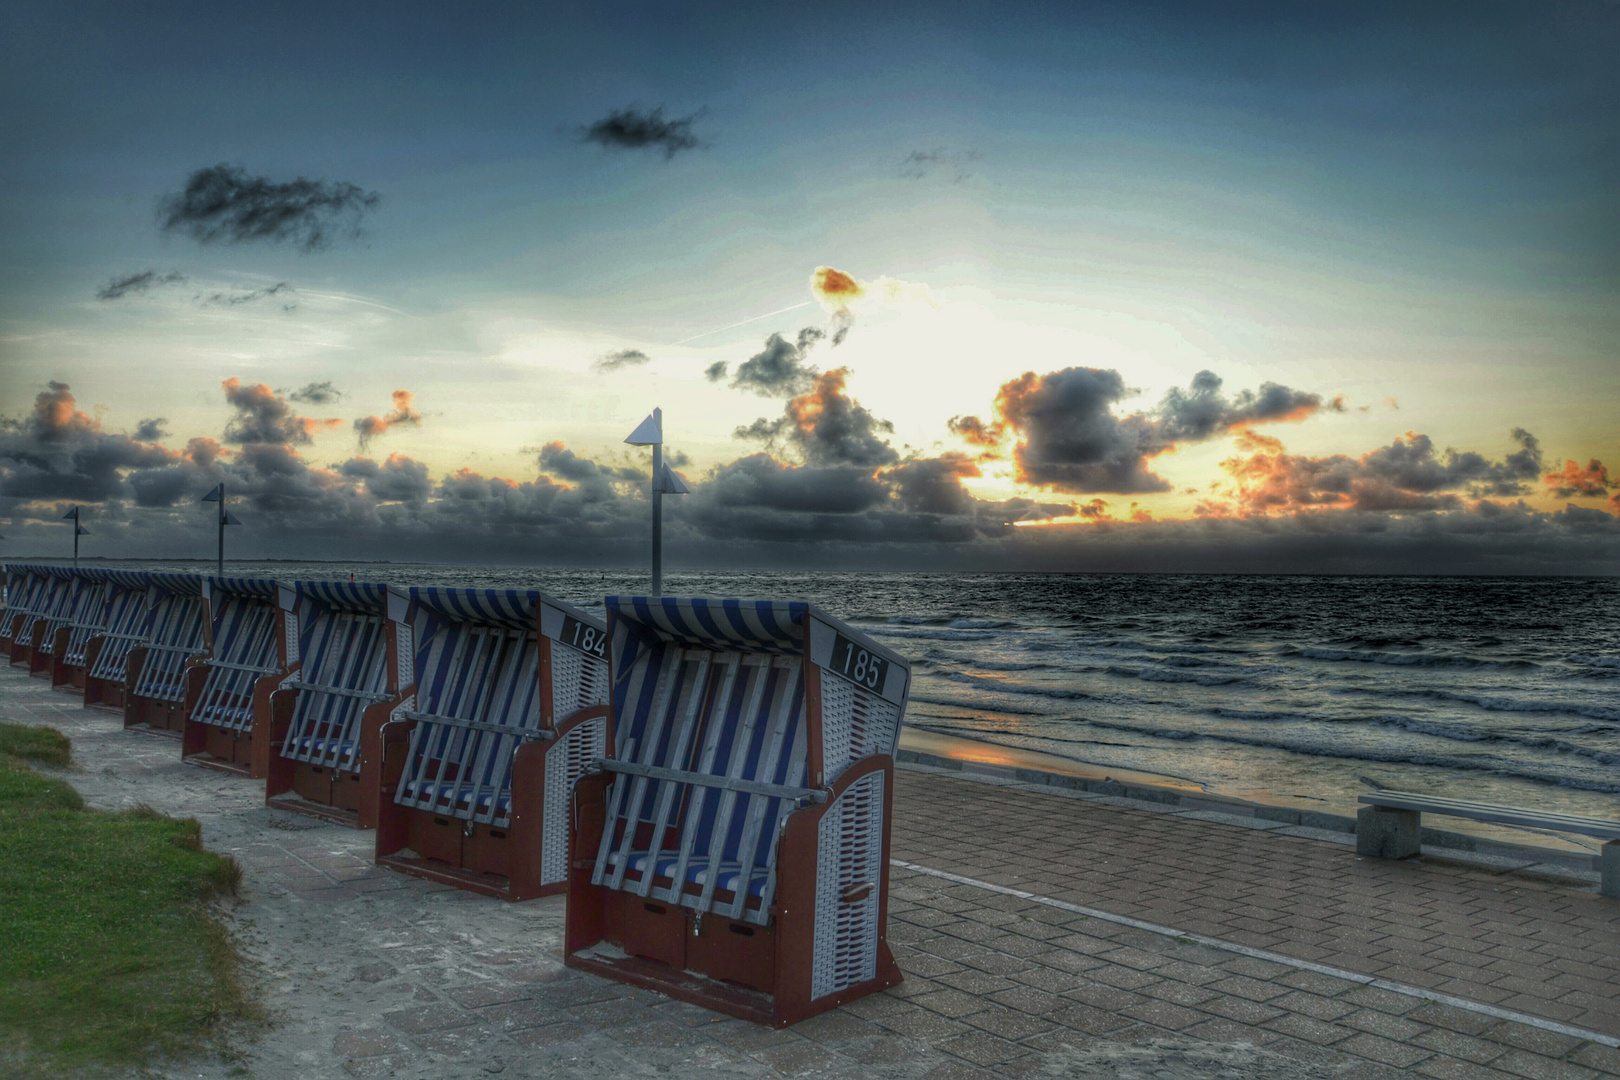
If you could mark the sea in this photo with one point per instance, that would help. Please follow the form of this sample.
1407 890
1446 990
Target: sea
1295 689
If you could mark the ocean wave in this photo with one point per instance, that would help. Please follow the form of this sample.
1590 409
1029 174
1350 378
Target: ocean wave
1160 675
1004 686
1610 662
1391 755
1497 703
1405 659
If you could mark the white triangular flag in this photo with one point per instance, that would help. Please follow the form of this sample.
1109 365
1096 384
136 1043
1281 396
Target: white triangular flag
648 433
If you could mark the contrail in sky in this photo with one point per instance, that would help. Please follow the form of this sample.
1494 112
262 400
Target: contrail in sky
745 322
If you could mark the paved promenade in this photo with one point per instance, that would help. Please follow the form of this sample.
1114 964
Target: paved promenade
1017 918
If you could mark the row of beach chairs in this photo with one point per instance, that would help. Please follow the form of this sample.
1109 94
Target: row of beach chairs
708 781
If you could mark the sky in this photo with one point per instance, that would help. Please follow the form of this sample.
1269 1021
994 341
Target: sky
1312 288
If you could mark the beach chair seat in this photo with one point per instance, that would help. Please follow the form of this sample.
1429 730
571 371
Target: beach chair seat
509 709
244 664
175 634
740 825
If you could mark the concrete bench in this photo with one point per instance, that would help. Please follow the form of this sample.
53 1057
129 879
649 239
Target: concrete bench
1390 827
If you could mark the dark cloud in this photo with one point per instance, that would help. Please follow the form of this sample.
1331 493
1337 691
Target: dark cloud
398 479
716 371
561 462
827 427
1202 411
620 358
404 412
118 288
223 203
58 452
262 416
248 296
152 430
1071 439
760 481
636 129
779 369
940 161
315 393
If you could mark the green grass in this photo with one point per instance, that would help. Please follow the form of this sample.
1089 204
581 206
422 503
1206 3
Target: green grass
108 954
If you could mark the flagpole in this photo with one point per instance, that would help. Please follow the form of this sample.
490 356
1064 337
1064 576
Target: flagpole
219 566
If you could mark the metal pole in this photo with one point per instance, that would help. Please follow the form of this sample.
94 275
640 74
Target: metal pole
220 566
75 538
657 509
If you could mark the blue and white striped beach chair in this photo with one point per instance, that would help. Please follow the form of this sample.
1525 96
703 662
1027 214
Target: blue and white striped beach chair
98 651
49 603
342 647
510 706
244 663
66 587
733 850
176 636
26 587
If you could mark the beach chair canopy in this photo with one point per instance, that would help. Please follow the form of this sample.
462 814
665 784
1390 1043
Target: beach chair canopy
337 633
25 582
120 621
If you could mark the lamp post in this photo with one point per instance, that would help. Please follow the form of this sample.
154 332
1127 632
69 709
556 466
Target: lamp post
650 432
218 495
78 531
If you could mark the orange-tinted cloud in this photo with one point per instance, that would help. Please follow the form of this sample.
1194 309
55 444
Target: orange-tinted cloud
839 292
369 427
975 432
263 416
1591 482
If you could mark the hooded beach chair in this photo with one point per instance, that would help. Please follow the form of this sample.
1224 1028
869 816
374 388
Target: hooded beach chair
510 707
176 637
50 606
244 665
26 585
120 627
68 660
343 642
734 849
67 589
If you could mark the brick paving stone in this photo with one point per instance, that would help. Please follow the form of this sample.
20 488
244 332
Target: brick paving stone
1388 1051
1535 1067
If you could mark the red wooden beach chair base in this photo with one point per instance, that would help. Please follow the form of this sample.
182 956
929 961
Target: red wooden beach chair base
63 674
332 794
482 858
240 752
740 968
39 661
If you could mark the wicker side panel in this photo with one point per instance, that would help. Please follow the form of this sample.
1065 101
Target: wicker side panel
849 854
566 761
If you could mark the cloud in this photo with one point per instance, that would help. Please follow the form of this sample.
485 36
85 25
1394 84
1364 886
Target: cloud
223 203
316 393
827 427
840 294
632 128
262 416
1405 476
1202 411
1591 482
620 358
716 371
1070 438
152 430
58 452
780 369
248 296
140 282
398 479
404 412
561 462
940 161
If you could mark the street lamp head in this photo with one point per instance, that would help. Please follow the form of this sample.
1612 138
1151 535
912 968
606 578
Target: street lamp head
650 432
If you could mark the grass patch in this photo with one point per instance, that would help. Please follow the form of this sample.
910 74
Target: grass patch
39 743
108 954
